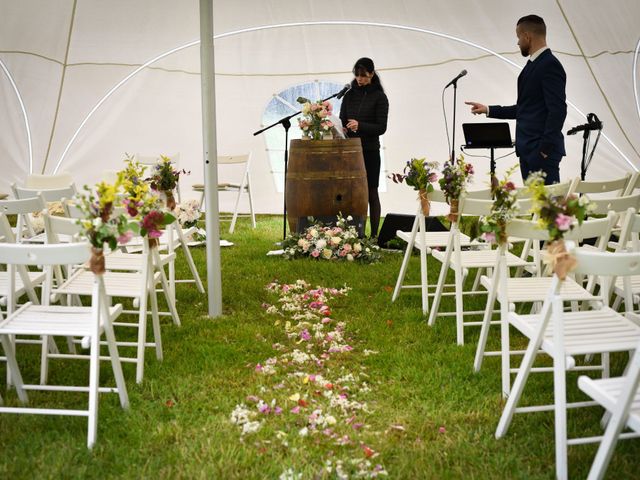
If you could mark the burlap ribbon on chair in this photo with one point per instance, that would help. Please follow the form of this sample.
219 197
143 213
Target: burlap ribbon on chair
96 262
425 203
170 200
453 210
558 260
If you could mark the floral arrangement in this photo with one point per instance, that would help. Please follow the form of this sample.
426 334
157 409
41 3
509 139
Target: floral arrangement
503 210
557 214
313 389
140 203
315 121
188 213
418 173
100 225
164 178
331 243
456 175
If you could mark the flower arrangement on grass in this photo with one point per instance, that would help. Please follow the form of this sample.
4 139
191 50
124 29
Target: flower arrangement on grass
456 176
313 390
100 225
141 203
164 178
340 242
421 175
504 209
315 123
557 214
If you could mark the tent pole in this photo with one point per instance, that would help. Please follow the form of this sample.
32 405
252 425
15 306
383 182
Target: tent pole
212 224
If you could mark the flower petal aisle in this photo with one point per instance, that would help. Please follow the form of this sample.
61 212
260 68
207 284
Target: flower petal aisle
314 391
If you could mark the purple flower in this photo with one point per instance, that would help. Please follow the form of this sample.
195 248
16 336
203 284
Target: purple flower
563 222
305 335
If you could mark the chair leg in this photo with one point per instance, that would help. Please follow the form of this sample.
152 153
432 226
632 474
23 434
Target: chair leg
172 306
235 212
435 304
424 277
486 320
253 215
116 366
405 260
94 379
459 285
190 262
155 319
560 394
44 359
142 336
12 367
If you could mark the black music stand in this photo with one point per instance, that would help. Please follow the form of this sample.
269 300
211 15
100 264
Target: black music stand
487 135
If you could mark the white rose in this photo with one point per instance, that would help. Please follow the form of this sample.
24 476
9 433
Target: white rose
357 247
326 253
349 257
335 240
313 233
321 244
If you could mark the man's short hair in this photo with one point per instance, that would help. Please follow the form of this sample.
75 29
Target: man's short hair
533 24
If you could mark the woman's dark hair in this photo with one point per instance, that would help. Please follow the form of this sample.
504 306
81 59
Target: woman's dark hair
365 64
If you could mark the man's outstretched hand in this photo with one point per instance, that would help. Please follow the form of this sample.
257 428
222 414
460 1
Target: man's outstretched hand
477 108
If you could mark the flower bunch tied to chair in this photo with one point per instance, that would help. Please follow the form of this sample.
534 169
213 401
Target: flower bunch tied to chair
141 203
164 178
456 176
315 123
100 224
421 175
504 209
558 214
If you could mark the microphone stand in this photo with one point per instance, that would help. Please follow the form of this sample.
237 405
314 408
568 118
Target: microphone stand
286 124
453 128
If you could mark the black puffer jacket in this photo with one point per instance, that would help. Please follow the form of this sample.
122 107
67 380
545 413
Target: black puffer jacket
370 107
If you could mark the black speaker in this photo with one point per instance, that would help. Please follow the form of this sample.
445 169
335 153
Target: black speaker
396 221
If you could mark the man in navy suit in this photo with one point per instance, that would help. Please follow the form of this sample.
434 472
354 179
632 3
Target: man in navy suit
541 107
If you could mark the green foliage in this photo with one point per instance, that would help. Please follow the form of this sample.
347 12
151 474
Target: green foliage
418 173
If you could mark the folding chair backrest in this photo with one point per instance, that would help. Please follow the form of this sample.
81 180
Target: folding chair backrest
634 182
23 206
615 204
5 229
46 182
49 195
597 227
615 187
594 228
62 254
629 231
606 263
55 226
71 210
244 159
475 206
479 194
557 189
231 159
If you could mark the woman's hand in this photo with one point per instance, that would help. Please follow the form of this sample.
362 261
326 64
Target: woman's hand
352 125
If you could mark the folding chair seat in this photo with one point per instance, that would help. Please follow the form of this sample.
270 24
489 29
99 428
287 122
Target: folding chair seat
89 323
564 335
425 242
620 396
136 281
524 290
461 262
239 187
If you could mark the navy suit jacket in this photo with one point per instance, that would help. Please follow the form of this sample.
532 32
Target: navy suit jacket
540 110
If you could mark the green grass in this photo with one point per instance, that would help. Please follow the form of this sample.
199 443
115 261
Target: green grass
178 425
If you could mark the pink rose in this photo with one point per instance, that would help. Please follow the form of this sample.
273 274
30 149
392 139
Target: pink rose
563 222
125 237
488 237
315 253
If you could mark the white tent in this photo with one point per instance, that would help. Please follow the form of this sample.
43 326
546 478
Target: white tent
70 101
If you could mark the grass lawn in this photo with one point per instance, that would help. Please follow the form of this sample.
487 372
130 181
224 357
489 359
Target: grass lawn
178 425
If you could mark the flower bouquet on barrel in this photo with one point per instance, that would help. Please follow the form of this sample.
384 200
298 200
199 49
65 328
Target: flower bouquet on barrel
164 178
101 225
421 175
456 175
558 214
315 123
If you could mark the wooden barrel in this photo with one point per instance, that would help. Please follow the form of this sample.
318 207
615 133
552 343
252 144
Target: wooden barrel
324 178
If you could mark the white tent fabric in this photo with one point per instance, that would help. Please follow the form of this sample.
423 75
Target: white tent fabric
65 57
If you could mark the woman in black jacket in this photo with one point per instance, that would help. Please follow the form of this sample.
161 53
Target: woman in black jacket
364 113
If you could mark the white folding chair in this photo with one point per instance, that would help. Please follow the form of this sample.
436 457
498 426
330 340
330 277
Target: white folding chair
134 278
565 335
614 188
44 182
425 242
620 396
523 290
22 209
48 194
236 163
89 323
461 262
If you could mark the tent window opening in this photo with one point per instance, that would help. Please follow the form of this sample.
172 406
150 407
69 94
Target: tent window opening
283 104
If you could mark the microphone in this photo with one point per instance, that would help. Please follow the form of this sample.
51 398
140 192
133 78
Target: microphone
597 125
344 90
460 75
